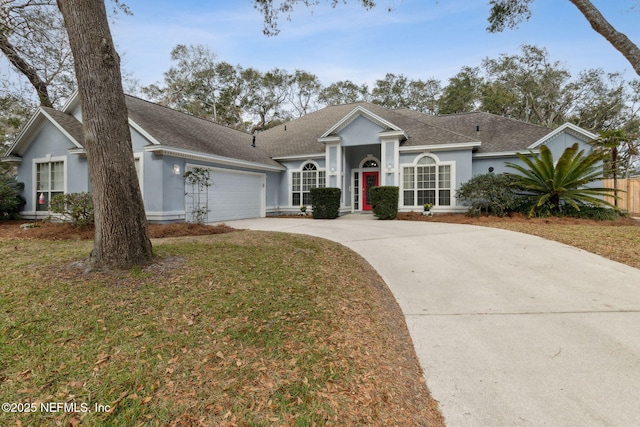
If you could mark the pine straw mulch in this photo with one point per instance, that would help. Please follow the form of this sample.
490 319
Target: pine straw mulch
59 231
511 219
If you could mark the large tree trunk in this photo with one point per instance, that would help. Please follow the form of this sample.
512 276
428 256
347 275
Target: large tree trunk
620 41
121 238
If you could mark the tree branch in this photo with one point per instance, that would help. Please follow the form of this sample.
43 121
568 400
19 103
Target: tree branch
620 41
16 60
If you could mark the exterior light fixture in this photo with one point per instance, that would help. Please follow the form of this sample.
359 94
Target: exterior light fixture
176 169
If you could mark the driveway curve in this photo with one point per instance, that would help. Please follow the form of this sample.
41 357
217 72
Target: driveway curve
510 329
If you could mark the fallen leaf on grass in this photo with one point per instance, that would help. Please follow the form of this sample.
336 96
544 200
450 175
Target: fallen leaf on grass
102 359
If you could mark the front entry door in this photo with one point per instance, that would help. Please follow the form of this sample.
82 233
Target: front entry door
369 179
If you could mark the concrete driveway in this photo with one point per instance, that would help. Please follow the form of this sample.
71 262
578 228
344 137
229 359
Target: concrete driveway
510 329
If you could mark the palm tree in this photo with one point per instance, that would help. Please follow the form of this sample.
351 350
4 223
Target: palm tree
552 185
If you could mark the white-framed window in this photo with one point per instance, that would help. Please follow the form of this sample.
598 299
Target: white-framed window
303 181
50 181
426 181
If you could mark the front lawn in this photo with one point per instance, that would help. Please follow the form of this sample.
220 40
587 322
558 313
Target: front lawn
243 328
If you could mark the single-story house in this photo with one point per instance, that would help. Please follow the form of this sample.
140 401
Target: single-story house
352 147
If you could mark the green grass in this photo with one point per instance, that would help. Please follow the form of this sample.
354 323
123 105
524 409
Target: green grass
245 328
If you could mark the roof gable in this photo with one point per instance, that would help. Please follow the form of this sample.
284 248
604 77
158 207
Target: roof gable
567 127
359 111
67 125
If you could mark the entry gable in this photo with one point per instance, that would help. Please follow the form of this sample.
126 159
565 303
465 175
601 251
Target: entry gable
383 124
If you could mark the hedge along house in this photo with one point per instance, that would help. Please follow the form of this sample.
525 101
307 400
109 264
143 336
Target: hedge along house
352 147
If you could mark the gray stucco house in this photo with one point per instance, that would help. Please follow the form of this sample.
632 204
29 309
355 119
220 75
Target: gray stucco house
352 147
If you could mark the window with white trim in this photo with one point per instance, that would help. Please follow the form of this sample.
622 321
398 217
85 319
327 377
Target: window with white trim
302 182
426 182
49 183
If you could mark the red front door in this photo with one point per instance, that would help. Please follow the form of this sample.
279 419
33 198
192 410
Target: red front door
369 179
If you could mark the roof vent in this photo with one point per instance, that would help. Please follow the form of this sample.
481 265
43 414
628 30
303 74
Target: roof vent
254 141
477 128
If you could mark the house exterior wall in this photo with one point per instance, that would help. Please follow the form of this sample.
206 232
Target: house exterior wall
557 145
51 143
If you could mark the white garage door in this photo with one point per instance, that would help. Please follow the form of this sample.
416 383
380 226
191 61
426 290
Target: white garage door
232 195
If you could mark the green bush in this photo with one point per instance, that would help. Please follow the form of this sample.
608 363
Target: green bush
551 186
384 200
325 202
598 213
76 208
11 202
491 193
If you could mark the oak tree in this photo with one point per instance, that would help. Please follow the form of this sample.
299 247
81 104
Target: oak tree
121 238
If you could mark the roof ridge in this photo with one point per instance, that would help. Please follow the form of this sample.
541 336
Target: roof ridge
494 115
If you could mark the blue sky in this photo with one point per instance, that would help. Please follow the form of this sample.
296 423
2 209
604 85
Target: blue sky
421 39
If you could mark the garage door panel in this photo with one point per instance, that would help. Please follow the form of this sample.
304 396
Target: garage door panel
235 195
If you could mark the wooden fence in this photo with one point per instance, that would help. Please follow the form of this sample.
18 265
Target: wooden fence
629 196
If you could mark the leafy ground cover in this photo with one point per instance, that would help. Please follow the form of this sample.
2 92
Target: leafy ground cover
232 329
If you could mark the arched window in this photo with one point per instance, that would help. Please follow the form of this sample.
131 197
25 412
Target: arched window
426 182
370 164
302 182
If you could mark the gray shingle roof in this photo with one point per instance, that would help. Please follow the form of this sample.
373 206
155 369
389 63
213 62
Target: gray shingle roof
300 137
175 129
496 133
69 123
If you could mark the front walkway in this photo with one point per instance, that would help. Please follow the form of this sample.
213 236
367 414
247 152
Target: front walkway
510 329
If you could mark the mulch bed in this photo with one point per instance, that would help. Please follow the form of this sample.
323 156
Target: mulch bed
60 231
511 218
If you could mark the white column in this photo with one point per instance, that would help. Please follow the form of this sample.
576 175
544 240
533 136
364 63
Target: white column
389 159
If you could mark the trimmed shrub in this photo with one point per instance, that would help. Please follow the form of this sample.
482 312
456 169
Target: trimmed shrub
384 200
325 202
76 208
597 213
11 202
491 193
